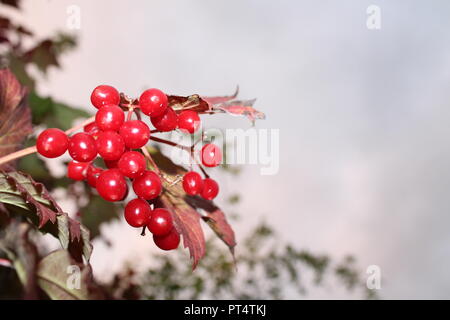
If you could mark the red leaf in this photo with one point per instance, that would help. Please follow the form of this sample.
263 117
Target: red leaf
185 214
15 116
216 219
187 223
226 104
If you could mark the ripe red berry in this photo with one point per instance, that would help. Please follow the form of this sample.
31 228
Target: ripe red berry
92 175
92 129
148 185
135 134
211 155
132 164
170 241
153 102
104 95
189 121
192 183
77 170
111 185
160 222
111 164
82 147
137 213
210 189
110 117
52 143
110 145
166 122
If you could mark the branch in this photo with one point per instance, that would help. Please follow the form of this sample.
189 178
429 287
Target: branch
30 150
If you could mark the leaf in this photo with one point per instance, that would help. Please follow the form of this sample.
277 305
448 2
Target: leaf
187 223
46 53
62 278
54 114
186 216
15 242
226 104
96 212
216 219
20 190
12 3
15 116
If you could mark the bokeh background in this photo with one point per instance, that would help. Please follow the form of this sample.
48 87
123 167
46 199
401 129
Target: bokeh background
363 116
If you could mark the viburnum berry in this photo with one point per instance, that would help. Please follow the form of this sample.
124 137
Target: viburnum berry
92 175
210 189
160 222
92 129
189 121
111 164
104 95
111 185
82 147
192 183
132 164
110 145
52 143
137 213
77 170
211 155
170 241
148 185
110 117
166 122
153 102
135 134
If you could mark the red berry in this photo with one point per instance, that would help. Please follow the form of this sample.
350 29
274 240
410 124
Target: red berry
92 175
168 121
111 164
110 145
104 95
77 170
160 222
192 183
153 102
210 189
211 155
135 133
189 121
82 147
147 186
170 241
110 117
92 129
132 164
137 213
52 143
111 185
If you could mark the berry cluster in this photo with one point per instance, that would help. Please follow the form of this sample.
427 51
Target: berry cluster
119 140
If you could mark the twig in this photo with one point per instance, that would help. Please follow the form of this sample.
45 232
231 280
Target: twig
30 150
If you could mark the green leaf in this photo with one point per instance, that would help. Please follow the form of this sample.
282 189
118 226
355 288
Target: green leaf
54 114
62 278
21 191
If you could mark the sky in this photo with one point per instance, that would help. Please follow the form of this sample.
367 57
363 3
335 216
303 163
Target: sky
362 115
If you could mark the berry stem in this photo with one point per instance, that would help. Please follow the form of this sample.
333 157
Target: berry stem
30 150
170 143
149 157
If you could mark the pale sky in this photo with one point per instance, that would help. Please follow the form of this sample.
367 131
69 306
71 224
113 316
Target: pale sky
363 115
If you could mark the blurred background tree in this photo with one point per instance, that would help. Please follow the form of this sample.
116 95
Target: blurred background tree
264 268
